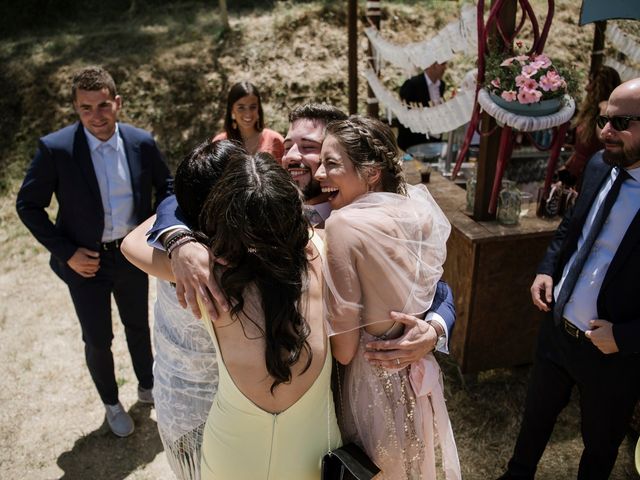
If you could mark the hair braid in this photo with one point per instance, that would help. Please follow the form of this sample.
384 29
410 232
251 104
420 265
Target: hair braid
370 144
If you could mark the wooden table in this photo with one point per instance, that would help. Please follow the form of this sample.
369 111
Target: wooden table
490 268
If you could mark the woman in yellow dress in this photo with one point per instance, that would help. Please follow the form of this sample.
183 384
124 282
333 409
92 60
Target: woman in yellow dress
273 414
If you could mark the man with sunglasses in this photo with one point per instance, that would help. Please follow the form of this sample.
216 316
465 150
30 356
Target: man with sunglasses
588 283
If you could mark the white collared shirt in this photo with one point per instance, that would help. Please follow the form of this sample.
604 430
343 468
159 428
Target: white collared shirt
582 305
434 90
114 180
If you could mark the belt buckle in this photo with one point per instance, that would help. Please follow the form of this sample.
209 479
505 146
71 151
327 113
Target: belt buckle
571 329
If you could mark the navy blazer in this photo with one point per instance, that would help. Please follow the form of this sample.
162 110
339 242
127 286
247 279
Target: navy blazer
415 90
62 166
617 302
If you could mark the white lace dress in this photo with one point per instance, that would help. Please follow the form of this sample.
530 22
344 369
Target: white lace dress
185 381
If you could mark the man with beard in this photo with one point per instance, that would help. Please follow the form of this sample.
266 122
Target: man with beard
190 261
588 284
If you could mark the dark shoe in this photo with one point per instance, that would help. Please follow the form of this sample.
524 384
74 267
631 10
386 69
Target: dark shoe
119 420
145 395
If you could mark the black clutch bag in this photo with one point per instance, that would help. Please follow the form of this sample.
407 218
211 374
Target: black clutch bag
348 462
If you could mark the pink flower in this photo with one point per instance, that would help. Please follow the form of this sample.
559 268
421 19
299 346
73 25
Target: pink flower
546 62
523 59
519 43
546 83
520 79
529 96
537 64
496 82
529 70
529 83
507 62
509 95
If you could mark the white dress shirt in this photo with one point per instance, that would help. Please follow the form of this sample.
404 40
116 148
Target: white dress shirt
114 180
434 90
582 305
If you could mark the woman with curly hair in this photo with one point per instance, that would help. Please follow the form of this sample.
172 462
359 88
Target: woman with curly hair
273 415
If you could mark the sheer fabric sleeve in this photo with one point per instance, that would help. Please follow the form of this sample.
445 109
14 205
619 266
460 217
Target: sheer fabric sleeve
342 290
384 252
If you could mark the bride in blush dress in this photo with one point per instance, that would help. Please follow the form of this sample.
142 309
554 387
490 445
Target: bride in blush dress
386 244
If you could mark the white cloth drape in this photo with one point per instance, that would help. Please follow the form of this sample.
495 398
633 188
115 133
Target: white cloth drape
441 118
456 37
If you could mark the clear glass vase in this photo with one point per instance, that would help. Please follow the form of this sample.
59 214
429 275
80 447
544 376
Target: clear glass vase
508 203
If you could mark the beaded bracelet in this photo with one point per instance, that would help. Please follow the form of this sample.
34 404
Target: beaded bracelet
177 236
181 241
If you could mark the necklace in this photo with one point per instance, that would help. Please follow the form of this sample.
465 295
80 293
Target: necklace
251 142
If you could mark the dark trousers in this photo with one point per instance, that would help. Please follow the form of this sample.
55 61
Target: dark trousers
608 386
92 300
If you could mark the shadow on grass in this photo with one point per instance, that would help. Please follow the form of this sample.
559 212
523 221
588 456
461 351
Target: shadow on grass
159 60
101 455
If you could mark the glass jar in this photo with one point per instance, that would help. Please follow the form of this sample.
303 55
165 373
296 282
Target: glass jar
508 203
471 192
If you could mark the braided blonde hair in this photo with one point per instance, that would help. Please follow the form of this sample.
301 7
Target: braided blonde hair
371 144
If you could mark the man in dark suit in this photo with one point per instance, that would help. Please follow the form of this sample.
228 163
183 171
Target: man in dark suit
425 89
102 173
588 282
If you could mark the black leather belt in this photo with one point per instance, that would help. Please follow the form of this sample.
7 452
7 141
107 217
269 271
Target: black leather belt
112 245
573 331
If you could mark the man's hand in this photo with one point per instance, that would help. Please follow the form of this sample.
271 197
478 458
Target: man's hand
191 264
85 262
542 292
419 338
601 334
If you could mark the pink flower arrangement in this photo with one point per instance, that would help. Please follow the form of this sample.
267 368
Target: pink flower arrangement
525 79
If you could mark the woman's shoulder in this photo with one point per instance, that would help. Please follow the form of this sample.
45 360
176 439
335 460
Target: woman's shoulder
220 136
272 135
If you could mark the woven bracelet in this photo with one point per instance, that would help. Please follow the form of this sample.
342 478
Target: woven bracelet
180 241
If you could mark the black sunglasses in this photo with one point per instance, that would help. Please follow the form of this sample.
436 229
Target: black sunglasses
618 123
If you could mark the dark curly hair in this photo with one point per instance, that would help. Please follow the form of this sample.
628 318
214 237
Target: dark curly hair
236 92
371 144
197 173
255 219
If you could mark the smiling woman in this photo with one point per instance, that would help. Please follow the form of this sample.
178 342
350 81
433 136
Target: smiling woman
244 122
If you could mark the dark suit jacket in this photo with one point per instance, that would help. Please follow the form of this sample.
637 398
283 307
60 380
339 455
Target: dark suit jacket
415 90
63 166
618 298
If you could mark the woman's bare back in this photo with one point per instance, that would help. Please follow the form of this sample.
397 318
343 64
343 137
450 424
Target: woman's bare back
242 346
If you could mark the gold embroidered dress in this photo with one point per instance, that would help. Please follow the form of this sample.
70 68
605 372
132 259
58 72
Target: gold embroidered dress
385 252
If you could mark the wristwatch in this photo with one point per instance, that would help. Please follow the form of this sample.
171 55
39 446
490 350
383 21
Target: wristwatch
442 336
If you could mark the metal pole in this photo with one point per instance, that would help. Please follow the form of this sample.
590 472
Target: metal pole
597 51
373 16
353 56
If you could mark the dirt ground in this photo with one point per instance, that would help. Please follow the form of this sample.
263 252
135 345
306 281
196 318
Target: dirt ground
51 420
